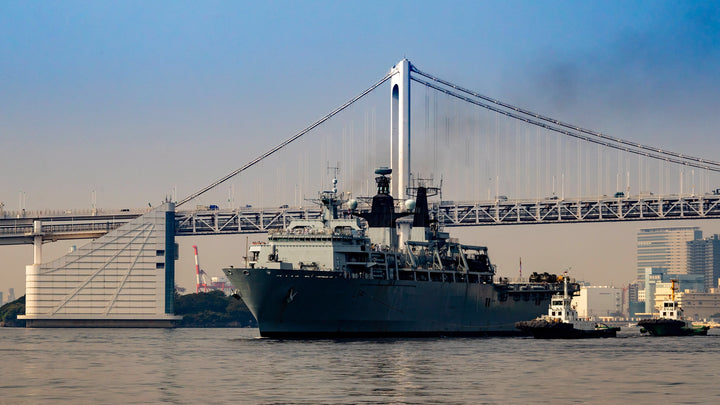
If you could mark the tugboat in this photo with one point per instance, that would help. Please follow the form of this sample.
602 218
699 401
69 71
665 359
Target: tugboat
338 276
671 322
562 322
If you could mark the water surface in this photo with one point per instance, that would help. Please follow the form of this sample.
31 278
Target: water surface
190 366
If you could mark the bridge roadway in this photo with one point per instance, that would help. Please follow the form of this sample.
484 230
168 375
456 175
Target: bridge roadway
17 227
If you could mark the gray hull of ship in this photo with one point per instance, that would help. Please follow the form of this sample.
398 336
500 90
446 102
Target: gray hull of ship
299 303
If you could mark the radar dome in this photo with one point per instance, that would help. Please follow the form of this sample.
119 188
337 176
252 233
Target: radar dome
410 205
352 204
383 171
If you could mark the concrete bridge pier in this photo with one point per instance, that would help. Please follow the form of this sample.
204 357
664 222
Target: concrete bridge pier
125 278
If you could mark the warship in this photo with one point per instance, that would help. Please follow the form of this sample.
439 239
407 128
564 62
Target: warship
353 273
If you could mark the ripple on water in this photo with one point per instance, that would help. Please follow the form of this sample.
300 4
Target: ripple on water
234 365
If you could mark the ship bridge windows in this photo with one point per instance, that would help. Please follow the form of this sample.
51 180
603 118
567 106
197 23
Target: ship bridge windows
344 230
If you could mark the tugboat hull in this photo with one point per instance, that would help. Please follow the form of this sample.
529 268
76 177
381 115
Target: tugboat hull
543 329
672 327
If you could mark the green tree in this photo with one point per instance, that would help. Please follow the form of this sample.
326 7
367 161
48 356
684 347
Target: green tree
10 311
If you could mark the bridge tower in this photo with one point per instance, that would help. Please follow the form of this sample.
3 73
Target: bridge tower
400 128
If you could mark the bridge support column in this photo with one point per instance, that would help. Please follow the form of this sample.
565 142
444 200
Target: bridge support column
37 242
400 128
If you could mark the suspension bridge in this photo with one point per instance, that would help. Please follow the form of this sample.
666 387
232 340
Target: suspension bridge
483 150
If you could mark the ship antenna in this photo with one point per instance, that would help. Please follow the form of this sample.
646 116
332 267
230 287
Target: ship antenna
334 170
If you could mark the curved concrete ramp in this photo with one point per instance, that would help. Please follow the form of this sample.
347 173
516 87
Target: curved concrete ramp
125 278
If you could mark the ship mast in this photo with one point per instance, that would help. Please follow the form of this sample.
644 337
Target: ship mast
672 289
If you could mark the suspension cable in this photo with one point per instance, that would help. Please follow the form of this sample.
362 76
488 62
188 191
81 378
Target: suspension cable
284 143
566 125
564 132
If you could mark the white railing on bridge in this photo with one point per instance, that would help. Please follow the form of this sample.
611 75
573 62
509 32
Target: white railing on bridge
57 213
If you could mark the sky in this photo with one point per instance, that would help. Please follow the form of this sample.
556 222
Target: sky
132 100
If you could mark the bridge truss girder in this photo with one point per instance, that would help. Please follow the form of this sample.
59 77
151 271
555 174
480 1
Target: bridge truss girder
578 210
218 222
451 214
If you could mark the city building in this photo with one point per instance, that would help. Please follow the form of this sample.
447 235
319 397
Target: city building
641 296
653 276
704 259
598 301
665 248
635 302
700 306
633 290
658 287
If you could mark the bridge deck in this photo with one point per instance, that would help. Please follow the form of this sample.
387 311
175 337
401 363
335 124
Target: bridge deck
55 227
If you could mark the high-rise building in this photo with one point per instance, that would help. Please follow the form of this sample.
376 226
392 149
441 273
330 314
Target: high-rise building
704 258
633 292
665 248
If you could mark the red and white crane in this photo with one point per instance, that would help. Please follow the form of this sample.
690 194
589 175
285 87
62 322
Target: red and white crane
199 274
203 283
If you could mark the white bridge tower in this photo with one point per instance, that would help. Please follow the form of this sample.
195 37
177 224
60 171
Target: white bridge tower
400 128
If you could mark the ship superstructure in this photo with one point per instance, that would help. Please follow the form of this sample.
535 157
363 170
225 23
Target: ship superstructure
340 276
